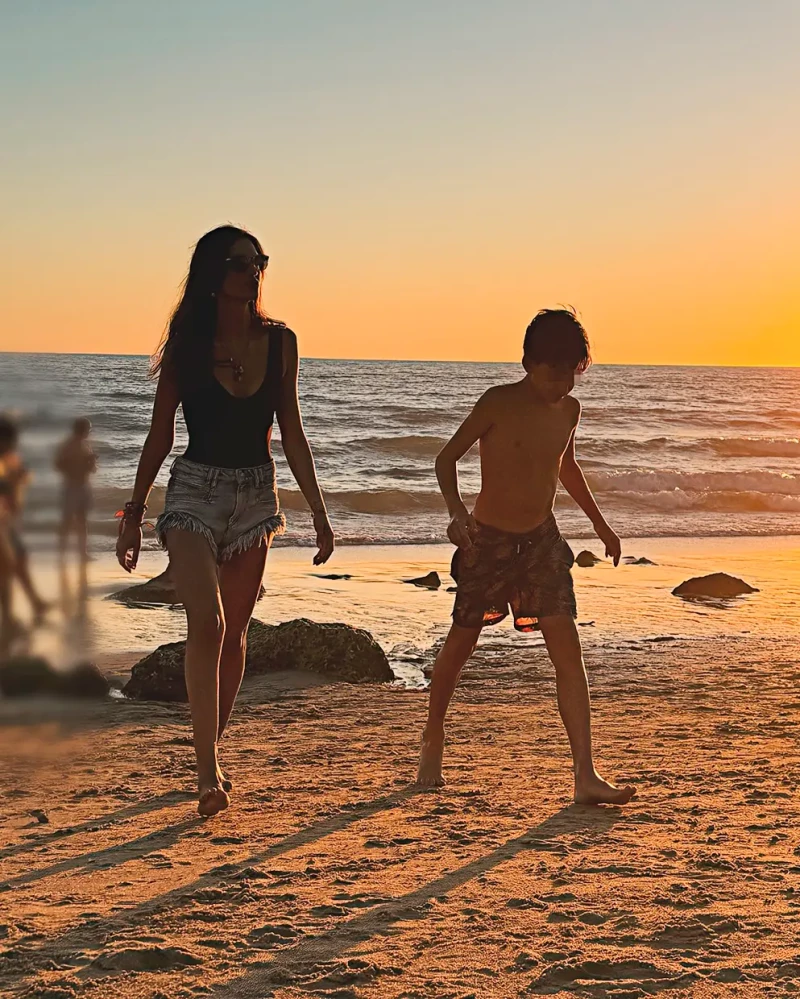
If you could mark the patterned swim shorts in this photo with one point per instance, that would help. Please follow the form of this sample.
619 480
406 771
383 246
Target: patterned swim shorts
530 573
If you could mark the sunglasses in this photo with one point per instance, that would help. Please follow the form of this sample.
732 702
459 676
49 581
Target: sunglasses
242 264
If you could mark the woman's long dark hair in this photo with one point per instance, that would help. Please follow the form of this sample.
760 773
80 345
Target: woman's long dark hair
187 348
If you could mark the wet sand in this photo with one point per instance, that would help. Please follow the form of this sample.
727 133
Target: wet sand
331 875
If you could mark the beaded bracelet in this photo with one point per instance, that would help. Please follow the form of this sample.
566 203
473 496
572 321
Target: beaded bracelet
134 511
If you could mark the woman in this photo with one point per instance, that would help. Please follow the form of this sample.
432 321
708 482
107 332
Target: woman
232 369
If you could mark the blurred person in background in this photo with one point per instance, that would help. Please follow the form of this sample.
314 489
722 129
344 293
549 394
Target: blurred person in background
77 462
14 563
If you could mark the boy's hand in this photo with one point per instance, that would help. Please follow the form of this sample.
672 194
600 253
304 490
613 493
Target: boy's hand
462 529
611 541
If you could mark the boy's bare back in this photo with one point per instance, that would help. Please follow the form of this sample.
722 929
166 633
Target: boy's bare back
76 461
522 440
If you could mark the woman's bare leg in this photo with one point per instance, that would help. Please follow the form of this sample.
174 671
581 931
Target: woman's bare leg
239 583
458 647
194 570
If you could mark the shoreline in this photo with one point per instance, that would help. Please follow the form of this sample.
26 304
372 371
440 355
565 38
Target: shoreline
631 605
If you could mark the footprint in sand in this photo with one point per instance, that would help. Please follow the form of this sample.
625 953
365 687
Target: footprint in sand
145 959
362 901
640 977
356 971
273 935
323 911
525 903
55 990
595 918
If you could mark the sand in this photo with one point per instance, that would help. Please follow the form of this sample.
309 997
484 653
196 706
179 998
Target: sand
331 875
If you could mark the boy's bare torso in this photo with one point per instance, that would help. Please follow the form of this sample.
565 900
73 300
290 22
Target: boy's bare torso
521 457
76 461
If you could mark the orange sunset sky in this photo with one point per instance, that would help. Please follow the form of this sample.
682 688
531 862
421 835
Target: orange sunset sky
424 175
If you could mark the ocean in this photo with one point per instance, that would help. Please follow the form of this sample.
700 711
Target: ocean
698 469
668 451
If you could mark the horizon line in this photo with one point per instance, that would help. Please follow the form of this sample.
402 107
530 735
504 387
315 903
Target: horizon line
412 360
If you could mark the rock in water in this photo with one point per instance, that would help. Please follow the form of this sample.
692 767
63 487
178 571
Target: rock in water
337 650
84 680
431 581
586 559
158 590
718 584
159 676
630 560
24 676
28 676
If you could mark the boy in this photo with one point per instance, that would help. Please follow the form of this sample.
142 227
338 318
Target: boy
76 461
510 551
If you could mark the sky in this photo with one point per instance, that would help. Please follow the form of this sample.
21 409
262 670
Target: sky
424 174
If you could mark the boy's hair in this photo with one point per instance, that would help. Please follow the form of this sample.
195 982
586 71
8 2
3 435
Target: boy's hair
9 433
556 337
82 427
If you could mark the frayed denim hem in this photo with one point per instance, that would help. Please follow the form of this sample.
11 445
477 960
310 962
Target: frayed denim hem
255 536
177 521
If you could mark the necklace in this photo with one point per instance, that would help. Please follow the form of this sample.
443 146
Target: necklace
237 367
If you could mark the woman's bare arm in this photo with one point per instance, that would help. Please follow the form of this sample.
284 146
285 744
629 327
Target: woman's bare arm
297 449
157 446
160 437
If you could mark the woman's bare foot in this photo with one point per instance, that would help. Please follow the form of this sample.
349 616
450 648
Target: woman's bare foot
591 789
224 782
212 800
430 759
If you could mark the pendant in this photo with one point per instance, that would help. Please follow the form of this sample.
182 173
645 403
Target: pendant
238 372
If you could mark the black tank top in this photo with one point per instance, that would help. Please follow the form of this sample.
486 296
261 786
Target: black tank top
230 432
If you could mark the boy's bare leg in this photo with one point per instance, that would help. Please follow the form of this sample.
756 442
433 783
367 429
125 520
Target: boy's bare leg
63 534
564 647
458 647
82 530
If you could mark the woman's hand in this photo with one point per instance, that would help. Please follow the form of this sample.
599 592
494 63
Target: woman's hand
129 544
325 539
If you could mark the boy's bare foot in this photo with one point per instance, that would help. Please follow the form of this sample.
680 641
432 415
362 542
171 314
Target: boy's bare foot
212 800
593 790
430 759
224 782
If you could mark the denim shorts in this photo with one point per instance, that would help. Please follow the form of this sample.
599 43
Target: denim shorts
233 508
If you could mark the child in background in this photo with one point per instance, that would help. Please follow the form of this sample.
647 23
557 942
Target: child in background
76 461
